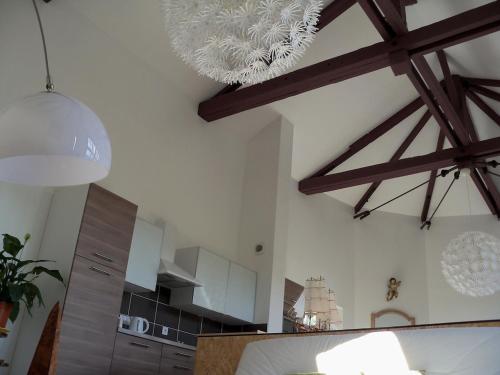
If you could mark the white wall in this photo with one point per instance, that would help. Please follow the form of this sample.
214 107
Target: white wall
264 216
320 244
165 158
22 210
389 245
444 303
358 257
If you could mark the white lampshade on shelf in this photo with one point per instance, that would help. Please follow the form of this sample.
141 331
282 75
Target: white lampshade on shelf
49 139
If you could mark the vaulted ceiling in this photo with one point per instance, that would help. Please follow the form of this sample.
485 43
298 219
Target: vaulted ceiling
330 118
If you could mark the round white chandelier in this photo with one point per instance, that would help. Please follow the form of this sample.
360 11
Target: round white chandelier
471 264
245 41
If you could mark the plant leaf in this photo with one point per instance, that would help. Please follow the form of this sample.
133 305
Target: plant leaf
11 244
31 292
23 263
54 273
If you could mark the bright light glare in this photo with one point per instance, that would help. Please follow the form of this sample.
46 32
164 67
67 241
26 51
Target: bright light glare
377 353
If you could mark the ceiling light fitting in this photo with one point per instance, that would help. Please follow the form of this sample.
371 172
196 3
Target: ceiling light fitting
241 41
49 139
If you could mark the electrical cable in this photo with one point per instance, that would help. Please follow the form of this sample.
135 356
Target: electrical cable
49 84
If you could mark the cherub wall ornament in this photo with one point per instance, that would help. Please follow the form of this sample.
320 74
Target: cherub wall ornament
392 287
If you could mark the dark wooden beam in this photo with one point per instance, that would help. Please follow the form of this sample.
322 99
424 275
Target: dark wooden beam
482 180
441 97
486 92
436 99
396 156
450 31
328 15
484 107
371 136
377 19
451 89
482 81
392 13
333 11
454 30
331 71
432 182
403 167
428 99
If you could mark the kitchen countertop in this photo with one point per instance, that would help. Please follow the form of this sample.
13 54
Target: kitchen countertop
154 338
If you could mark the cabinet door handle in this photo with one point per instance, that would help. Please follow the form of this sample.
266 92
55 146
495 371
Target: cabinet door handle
103 257
140 345
98 270
179 367
183 355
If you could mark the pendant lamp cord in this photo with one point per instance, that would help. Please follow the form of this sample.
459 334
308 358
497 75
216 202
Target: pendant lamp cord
49 86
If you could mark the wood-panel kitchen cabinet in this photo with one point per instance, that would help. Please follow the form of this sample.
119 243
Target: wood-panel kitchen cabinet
89 231
177 361
135 356
107 228
138 356
88 327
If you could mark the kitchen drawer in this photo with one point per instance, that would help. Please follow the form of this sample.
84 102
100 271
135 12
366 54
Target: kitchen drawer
135 356
172 367
178 354
88 327
106 229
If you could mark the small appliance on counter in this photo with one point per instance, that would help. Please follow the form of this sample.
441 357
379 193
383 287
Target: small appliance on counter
124 321
138 324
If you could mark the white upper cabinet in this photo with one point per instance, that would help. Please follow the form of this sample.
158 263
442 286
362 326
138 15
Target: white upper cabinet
228 288
144 257
212 272
240 295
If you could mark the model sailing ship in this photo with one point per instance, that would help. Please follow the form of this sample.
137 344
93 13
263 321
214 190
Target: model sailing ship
321 312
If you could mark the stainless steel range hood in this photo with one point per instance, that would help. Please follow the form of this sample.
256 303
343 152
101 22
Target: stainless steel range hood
170 275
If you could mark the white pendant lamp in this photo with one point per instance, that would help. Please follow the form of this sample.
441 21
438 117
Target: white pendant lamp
49 139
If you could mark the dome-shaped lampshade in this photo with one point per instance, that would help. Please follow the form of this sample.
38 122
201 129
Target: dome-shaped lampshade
49 139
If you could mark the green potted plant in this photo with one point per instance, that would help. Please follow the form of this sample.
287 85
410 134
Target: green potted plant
17 279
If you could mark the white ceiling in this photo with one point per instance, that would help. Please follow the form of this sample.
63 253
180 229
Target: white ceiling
328 119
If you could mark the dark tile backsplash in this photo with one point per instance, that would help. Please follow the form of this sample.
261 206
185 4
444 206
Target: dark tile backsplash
211 326
167 316
145 308
182 326
190 323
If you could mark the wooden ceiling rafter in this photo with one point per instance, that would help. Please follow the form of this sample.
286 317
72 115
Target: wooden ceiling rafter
403 51
482 81
328 15
443 104
396 156
481 104
403 167
457 29
485 92
371 136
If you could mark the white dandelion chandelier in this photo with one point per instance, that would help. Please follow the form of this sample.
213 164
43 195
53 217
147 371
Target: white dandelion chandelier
471 264
246 41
